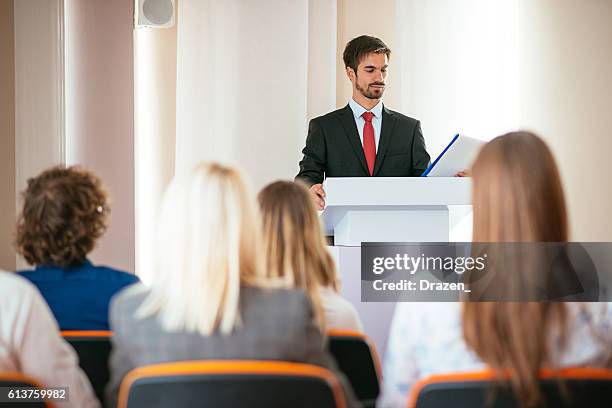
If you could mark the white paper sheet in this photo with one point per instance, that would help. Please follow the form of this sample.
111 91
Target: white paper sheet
458 157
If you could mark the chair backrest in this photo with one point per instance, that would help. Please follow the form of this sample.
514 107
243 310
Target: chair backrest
357 359
14 380
231 384
93 348
571 387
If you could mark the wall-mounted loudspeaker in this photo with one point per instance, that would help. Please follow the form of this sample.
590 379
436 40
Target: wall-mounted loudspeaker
154 13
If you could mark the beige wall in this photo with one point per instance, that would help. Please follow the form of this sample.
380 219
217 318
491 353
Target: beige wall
566 96
100 112
7 135
322 60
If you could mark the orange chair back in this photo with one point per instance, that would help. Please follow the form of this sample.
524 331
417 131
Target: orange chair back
590 387
231 384
93 348
358 360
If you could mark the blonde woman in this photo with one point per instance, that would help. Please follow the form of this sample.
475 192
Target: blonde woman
296 255
517 197
205 300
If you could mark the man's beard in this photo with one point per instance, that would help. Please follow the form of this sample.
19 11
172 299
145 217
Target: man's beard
367 93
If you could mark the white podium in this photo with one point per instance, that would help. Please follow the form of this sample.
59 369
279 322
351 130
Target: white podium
392 209
377 209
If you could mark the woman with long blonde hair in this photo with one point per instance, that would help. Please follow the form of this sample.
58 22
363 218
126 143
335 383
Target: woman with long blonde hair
296 255
517 198
207 297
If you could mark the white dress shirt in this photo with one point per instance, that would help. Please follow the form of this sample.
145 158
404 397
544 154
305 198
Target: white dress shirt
359 121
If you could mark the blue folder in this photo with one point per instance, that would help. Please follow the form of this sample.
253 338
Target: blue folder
432 165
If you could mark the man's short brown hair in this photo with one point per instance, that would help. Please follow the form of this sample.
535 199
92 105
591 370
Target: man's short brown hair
64 212
361 46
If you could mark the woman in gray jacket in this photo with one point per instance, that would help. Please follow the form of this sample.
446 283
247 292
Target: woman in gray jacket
208 298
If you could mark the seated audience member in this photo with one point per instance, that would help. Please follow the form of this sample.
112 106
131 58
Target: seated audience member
517 197
207 298
296 254
64 213
30 343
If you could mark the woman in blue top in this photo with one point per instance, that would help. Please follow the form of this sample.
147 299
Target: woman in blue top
64 213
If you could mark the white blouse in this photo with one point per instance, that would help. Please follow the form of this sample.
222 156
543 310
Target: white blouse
30 343
339 312
427 338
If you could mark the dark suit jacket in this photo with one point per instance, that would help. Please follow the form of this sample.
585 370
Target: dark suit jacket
334 149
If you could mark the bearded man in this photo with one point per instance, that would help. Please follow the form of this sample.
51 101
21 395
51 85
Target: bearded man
363 139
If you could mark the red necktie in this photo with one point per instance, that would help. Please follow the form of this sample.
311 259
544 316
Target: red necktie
369 144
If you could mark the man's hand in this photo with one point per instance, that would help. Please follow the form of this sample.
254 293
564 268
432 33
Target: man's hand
464 173
318 195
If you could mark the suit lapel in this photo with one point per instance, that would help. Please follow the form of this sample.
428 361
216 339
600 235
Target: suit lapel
350 129
386 134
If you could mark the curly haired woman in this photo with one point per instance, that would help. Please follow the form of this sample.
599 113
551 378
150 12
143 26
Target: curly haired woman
64 213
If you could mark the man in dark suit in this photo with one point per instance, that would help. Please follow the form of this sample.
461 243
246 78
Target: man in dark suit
364 138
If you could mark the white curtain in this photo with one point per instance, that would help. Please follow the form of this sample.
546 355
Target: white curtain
249 75
39 91
155 130
244 87
459 67
487 67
